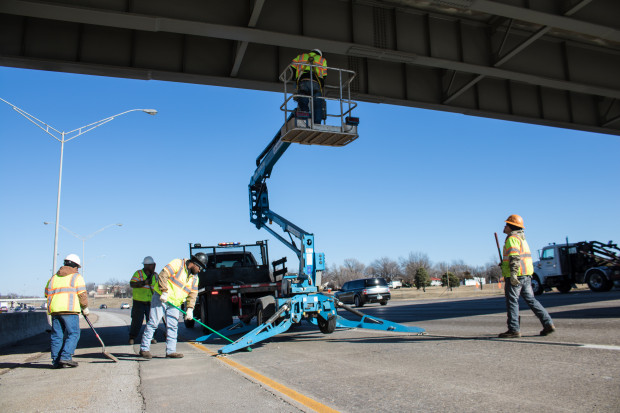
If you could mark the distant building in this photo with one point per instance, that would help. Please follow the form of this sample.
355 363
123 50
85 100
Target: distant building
435 282
475 280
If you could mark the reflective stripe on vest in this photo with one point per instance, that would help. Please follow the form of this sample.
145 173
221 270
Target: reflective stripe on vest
144 293
62 293
178 290
301 64
526 266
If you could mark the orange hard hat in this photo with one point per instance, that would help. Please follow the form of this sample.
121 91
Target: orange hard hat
515 220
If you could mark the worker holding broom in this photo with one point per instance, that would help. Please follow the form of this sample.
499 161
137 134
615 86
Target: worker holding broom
66 298
517 270
176 283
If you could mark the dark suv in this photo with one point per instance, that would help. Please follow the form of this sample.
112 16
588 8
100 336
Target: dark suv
368 290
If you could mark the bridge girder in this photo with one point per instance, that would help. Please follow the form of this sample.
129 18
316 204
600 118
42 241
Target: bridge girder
552 62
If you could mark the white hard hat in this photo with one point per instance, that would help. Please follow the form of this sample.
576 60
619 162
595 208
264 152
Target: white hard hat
148 260
73 258
317 51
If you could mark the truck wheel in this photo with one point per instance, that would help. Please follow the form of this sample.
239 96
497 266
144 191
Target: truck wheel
358 301
203 313
265 308
327 326
598 282
384 302
537 287
188 323
564 287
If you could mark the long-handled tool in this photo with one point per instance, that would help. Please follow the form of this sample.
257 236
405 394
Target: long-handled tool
499 251
206 326
105 353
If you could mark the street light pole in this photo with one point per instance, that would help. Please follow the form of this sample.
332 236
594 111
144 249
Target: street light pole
77 132
83 239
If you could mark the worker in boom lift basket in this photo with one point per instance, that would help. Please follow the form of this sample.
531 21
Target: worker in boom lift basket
66 297
141 282
517 270
311 82
177 282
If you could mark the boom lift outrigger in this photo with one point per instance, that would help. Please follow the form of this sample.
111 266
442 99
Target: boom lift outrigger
300 298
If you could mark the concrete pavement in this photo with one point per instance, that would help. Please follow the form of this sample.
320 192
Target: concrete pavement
459 366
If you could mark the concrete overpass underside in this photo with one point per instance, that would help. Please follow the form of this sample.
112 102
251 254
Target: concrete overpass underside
550 62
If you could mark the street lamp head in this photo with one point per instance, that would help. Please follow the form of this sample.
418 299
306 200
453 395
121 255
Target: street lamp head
120 225
150 111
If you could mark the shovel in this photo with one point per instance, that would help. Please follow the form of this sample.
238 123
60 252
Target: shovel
105 353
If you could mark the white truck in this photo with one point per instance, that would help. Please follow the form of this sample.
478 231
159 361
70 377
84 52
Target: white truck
564 265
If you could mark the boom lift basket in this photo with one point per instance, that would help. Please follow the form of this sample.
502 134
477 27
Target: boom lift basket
301 128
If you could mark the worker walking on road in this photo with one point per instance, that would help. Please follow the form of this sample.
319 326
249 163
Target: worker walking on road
66 297
141 282
517 270
310 82
177 282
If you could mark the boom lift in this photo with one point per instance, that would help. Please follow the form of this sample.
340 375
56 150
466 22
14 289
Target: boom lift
300 298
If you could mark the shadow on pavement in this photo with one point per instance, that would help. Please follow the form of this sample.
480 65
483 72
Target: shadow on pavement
474 307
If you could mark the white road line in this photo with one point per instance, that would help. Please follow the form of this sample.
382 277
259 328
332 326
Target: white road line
601 346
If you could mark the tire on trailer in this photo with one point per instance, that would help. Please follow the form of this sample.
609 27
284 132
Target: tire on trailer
327 326
383 302
537 287
598 282
265 308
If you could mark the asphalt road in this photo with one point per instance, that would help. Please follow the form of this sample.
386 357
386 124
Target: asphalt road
459 366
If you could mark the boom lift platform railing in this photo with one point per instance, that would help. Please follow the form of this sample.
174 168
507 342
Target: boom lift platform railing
300 298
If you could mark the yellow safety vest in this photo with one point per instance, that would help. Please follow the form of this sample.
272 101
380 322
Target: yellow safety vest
180 282
62 293
144 293
301 64
516 246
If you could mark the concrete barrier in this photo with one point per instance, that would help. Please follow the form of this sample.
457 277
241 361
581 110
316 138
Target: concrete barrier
19 326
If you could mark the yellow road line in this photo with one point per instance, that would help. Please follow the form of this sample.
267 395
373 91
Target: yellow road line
298 397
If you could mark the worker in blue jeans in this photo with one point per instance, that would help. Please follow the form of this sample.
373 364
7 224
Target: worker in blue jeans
517 270
66 299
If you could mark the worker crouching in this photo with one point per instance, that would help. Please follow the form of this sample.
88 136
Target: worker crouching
177 282
66 298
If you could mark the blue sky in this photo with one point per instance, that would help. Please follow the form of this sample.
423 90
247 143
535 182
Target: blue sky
415 180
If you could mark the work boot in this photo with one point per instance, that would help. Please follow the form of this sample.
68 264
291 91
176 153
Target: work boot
175 355
510 334
68 363
547 330
56 366
146 354
131 341
153 341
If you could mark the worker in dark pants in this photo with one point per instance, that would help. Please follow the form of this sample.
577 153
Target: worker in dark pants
311 82
141 282
517 270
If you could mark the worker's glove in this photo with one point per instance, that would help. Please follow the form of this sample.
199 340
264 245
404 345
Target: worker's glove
164 297
189 314
514 280
85 311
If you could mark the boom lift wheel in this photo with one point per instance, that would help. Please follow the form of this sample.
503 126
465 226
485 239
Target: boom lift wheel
265 308
327 326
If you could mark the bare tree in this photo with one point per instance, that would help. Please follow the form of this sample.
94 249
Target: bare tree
385 267
411 265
